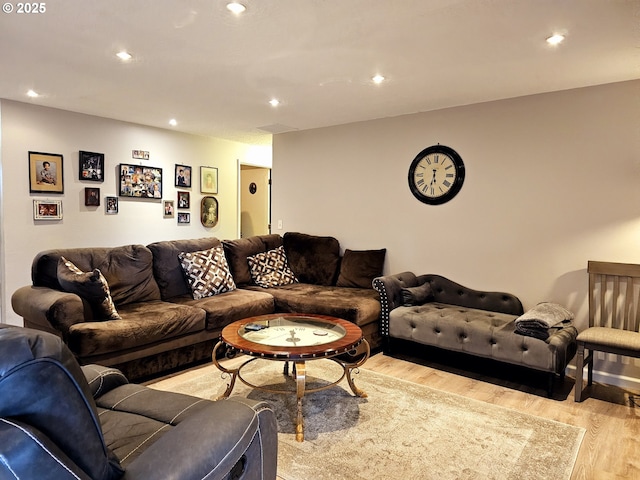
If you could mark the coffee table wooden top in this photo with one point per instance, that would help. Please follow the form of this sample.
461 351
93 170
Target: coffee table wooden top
340 336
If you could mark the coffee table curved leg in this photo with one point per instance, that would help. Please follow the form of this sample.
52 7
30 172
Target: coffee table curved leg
300 374
350 367
233 373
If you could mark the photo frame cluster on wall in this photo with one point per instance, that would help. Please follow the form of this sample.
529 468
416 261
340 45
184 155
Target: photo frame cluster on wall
46 175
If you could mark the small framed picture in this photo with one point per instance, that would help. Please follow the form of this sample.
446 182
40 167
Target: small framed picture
111 205
45 173
183 176
91 166
140 154
184 217
184 200
208 180
209 211
91 197
168 209
47 209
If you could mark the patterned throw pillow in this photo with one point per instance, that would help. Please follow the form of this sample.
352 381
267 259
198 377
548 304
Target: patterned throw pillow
271 269
207 272
92 286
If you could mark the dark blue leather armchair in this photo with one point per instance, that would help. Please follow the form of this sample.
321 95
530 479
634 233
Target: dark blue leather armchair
62 421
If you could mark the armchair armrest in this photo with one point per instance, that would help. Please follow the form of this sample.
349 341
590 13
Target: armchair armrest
245 440
47 309
103 379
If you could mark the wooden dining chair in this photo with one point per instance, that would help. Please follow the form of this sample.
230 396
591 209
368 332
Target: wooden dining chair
614 316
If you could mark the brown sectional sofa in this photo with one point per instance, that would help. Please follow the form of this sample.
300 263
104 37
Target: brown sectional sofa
162 326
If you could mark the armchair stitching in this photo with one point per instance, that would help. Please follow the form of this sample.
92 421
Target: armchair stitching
184 410
26 432
144 441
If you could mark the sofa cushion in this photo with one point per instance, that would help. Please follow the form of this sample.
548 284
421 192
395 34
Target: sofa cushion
92 286
358 305
207 272
237 252
223 309
166 264
313 259
417 295
358 268
141 324
270 269
127 269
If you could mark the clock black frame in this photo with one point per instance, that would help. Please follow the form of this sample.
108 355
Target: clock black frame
457 184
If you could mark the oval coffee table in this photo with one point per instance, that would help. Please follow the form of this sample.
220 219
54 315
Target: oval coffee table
294 338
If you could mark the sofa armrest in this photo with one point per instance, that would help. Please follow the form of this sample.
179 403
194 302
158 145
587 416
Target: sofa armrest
102 379
28 453
389 287
227 436
47 309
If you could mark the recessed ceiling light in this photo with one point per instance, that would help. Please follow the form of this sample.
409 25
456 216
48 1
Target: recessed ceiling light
377 79
173 122
236 7
555 39
124 56
274 102
33 94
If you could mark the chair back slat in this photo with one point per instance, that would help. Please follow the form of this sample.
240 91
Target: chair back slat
614 295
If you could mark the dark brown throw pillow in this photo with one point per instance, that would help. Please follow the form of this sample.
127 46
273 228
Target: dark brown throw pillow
312 258
360 267
92 286
417 295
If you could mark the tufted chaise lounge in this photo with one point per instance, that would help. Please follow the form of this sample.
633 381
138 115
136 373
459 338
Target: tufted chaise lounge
475 322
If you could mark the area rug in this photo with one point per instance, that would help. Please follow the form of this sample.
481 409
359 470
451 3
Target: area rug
400 431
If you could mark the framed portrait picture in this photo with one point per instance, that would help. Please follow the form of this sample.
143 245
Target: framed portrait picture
184 200
47 209
111 205
208 180
209 211
45 173
91 166
184 217
91 197
168 208
138 181
183 176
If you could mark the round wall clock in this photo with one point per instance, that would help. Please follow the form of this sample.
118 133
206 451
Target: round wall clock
436 175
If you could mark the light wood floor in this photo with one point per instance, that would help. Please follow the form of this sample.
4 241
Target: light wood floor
611 446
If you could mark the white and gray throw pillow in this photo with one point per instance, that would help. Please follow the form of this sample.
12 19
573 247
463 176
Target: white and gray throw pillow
207 272
271 269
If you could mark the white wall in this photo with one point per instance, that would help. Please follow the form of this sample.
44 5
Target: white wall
26 127
552 181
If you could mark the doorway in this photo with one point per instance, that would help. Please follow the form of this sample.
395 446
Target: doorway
255 201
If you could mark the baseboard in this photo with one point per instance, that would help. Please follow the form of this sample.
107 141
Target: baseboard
606 378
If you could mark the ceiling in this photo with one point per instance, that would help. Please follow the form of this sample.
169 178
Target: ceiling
215 72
